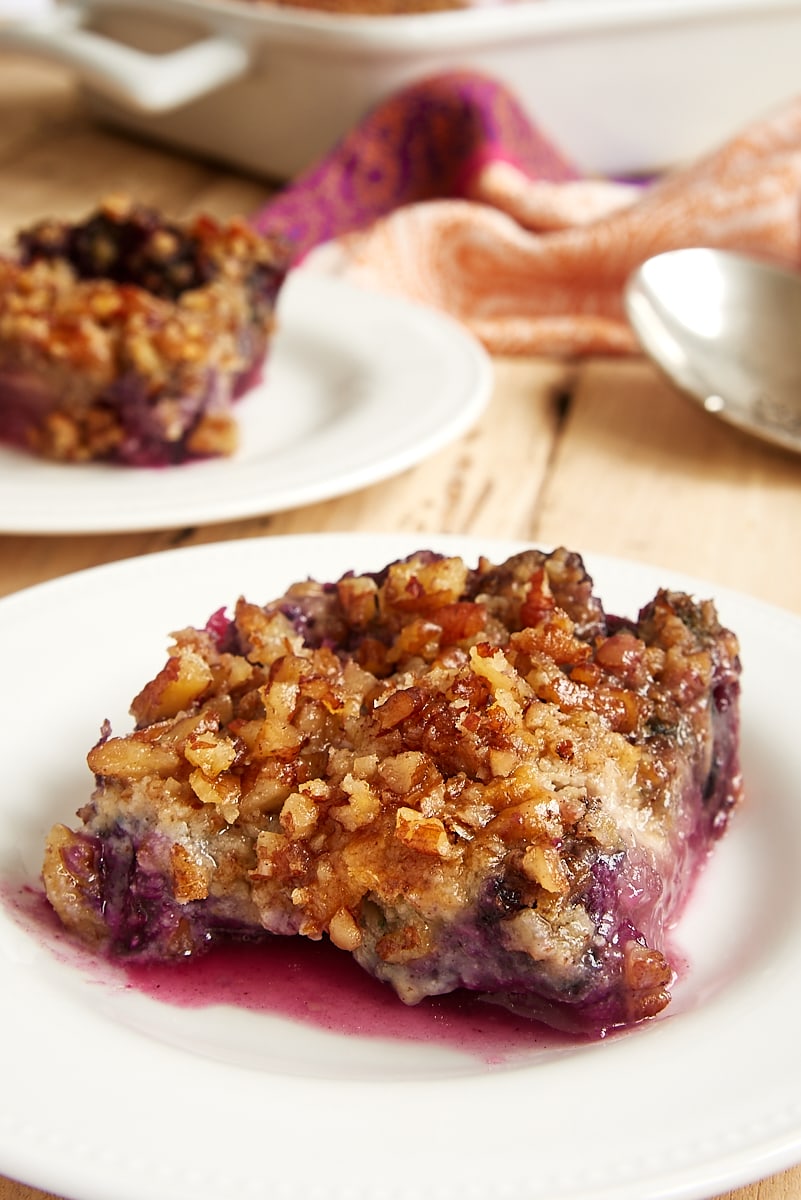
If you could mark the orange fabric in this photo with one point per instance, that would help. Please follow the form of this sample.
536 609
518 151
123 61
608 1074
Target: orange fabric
538 267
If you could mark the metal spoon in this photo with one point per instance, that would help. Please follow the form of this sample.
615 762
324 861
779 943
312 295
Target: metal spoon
726 329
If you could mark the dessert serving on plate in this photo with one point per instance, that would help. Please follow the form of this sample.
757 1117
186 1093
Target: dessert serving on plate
127 338
466 777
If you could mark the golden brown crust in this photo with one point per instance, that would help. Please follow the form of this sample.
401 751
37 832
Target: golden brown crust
455 777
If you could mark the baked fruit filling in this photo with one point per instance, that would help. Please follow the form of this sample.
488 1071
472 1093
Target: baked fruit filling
127 338
465 777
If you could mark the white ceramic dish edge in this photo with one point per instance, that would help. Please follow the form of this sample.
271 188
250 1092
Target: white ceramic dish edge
320 72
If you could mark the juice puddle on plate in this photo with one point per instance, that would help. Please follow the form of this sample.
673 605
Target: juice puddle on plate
303 981
317 984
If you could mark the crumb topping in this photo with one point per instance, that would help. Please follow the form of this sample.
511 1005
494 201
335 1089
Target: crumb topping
463 777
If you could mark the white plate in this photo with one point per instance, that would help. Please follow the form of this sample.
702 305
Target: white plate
357 387
109 1094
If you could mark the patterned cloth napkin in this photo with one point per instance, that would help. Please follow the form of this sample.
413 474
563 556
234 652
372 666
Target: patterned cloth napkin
447 194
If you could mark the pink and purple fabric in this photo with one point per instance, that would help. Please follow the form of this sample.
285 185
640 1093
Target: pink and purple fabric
446 193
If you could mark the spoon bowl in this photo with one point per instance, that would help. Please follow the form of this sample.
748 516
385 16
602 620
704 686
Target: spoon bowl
726 330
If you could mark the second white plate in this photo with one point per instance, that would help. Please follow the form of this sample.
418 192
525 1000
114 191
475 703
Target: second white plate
358 387
112 1092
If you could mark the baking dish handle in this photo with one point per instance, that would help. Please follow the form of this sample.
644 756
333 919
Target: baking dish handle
148 82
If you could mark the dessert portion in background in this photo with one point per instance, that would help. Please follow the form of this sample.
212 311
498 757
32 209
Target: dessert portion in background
128 338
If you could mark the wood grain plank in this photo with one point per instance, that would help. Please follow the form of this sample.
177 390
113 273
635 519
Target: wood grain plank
485 484
656 479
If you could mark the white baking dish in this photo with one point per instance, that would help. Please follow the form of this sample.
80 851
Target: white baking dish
621 86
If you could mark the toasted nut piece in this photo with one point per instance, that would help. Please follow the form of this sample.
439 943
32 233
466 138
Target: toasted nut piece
544 866
425 834
344 932
268 845
223 792
190 880
361 807
127 757
212 754
179 684
299 815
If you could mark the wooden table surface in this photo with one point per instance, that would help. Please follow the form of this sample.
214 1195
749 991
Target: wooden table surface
601 456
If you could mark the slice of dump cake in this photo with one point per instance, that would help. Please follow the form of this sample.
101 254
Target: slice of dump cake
127 337
465 777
